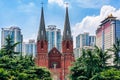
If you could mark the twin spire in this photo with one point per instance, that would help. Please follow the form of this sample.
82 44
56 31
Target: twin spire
42 32
67 30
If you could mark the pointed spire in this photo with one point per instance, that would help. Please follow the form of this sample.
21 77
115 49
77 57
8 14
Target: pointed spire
67 30
42 31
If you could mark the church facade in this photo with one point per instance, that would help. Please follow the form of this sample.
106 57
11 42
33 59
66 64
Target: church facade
58 62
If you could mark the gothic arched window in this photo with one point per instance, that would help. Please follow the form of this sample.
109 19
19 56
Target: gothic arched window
67 45
42 44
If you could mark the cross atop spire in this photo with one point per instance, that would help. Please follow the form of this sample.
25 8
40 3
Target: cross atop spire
42 31
67 30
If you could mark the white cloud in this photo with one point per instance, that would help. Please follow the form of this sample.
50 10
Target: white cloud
90 23
92 3
81 3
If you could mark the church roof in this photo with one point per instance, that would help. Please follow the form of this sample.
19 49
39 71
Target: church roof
42 31
54 51
67 30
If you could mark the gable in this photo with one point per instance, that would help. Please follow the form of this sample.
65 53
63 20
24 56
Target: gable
54 52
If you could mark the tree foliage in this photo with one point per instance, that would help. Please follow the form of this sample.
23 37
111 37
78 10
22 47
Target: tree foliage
110 74
89 64
92 65
116 50
13 66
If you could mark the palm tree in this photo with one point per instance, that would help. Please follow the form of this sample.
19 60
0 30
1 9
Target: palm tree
85 66
116 50
102 56
90 63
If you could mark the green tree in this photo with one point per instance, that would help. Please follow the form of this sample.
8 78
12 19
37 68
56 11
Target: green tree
90 63
116 50
4 74
78 70
85 66
9 47
14 67
102 56
109 74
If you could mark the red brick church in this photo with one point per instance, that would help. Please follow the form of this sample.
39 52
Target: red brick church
58 62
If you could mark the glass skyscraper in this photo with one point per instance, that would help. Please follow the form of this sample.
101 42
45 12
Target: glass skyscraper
117 28
92 40
54 37
85 40
107 33
29 48
15 34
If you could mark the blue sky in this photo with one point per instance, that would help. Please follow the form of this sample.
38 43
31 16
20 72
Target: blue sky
26 14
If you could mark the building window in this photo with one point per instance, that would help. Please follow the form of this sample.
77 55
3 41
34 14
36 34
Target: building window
42 44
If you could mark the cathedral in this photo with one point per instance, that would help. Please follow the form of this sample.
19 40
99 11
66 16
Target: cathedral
58 62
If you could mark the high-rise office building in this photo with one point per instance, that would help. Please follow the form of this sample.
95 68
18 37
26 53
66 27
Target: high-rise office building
107 33
15 34
54 37
92 40
78 51
84 41
29 48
